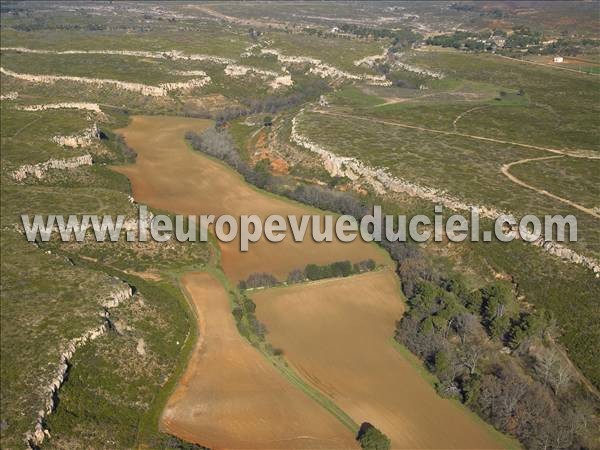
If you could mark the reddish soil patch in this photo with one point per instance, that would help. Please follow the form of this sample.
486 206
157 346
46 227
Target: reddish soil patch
169 176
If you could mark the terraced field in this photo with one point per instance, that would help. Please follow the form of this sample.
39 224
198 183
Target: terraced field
211 188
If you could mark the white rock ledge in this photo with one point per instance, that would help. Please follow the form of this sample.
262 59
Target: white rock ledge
383 182
39 170
36 437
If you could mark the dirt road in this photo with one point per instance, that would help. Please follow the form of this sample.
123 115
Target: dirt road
505 171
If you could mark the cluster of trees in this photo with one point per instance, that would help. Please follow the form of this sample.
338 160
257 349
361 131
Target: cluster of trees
244 312
569 47
523 37
258 279
118 145
465 336
337 269
520 39
485 350
400 37
370 438
459 39
466 7
217 142
305 89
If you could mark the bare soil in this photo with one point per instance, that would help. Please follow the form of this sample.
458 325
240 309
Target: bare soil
338 334
169 176
231 397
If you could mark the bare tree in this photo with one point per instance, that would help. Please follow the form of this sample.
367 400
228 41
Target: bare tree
545 364
470 353
560 376
466 326
553 370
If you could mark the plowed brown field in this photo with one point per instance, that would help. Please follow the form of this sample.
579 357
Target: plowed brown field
337 333
169 176
231 397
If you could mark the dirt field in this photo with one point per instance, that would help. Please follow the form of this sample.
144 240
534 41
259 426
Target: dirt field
337 333
169 176
231 397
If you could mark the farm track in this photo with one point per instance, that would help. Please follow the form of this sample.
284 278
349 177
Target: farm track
545 65
505 169
455 133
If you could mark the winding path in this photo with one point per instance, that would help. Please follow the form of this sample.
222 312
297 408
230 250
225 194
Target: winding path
464 113
505 171
506 167
584 153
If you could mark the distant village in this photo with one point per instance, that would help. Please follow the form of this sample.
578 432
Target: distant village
519 40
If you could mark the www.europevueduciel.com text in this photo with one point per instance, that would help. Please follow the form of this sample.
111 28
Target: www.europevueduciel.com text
320 228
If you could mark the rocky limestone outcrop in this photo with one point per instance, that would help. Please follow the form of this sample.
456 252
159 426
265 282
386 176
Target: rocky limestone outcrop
119 294
394 59
139 88
190 73
94 107
383 182
36 437
39 170
379 178
161 90
141 347
281 81
249 51
323 70
168 54
186 85
370 61
277 80
562 252
9 96
237 70
84 138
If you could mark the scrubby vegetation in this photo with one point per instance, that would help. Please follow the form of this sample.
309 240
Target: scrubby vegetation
465 337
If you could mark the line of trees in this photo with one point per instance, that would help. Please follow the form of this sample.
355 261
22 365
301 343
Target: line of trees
486 351
217 142
311 272
305 89
337 269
